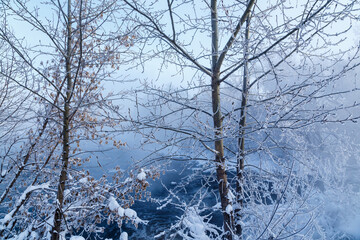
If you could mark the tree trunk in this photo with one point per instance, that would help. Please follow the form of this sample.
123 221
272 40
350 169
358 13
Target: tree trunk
241 139
218 128
220 161
66 147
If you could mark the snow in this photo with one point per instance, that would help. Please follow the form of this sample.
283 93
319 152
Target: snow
124 236
77 238
83 180
130 213
23 235
141 176
113 204
70 177
26 235
34 235
127 180
197 228
66 192
217 206
3 173
231 196
30 189
229 209
160 234
7 217
121 211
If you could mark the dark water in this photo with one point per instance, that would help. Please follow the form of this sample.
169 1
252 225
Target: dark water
161 219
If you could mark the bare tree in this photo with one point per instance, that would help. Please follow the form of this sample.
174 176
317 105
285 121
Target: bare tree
62 71
286 59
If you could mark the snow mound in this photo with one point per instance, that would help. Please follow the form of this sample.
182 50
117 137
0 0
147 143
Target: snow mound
77 238
130 213
127 212
113 204
142 175
194 226
124 236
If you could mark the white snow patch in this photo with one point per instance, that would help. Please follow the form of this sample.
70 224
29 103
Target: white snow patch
34 236
121 211
77 238
127 180
70 177
124 236
66 192
130 213
217 206
229 209
7 217
30 189
83 180
197 228
22 236
141 176
160 234
231 196
113 204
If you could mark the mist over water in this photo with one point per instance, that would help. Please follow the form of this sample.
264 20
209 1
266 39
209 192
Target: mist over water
343 207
